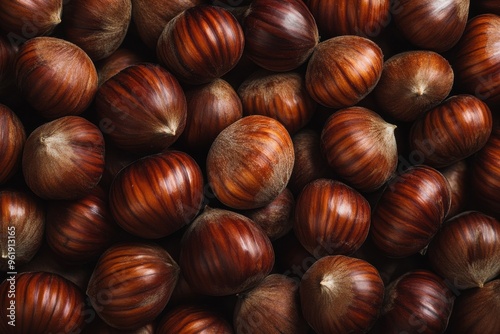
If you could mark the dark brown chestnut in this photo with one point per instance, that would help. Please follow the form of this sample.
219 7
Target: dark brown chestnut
457 176
201 44
361 147
12 139
117 61
410 211
466 250
224 253
250 162
40 302
452 131
57 77
412 83
341 294
7 56
98 326
343 70
193 319
64 158
131 284
142 108
331 218
488 6
157 195
282 96
431 25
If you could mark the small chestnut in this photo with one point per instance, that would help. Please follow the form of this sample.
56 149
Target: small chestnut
12 139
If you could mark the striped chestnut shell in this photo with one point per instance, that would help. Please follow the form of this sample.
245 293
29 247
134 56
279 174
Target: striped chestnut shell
191 319
12 139
200 44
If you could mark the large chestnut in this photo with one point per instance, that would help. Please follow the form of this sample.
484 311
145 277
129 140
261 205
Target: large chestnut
193 319
250 162
142 108
200 44
157 195
131 284
56 77
224 253
12 139
64 158
341 294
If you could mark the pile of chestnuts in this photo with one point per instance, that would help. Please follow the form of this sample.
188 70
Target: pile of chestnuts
250 166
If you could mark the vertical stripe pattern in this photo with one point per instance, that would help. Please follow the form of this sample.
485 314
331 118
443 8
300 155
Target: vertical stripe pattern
12 139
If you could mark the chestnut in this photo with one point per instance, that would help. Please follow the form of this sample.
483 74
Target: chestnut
360 147
224 253
452 131
57 77
200 44
341 294
193 319
157 195
489 6
40 302
457 176
12 139
272 307
142 108
250 162
117 61
98 326
466 250
412 83
279 35
331 218
22 226
131 284
7 56
63 158
432 25
343 70
410 211
282 96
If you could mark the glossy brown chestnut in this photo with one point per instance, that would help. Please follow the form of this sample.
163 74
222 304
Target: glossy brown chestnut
22 225
98 27
282 96
466 250
64 158
56 76
12 139
346 17
131 284
194 319
117 61
431 25
457 176
201 44
410 211
452 131
476 63
142 108
250 162
343 70
360 147
224 253
340 294
157 195
331 218
272 307
43 303
279 35
412 83
417 302
210 109
7 56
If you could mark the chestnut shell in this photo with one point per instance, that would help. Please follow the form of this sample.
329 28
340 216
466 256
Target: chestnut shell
12 139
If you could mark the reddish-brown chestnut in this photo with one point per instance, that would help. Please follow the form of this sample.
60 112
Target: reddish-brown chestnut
12 139
413 82
410 211
193 319
157 195
340 294
360 147
40 302
488 6
466 250
457 176
142 108
331 218
64 158
201 44
117 61
7 56
452 131
56 76
250 162
343 70
131 284
98 326
224 253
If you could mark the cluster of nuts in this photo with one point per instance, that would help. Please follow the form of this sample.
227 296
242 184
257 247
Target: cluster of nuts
264 166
